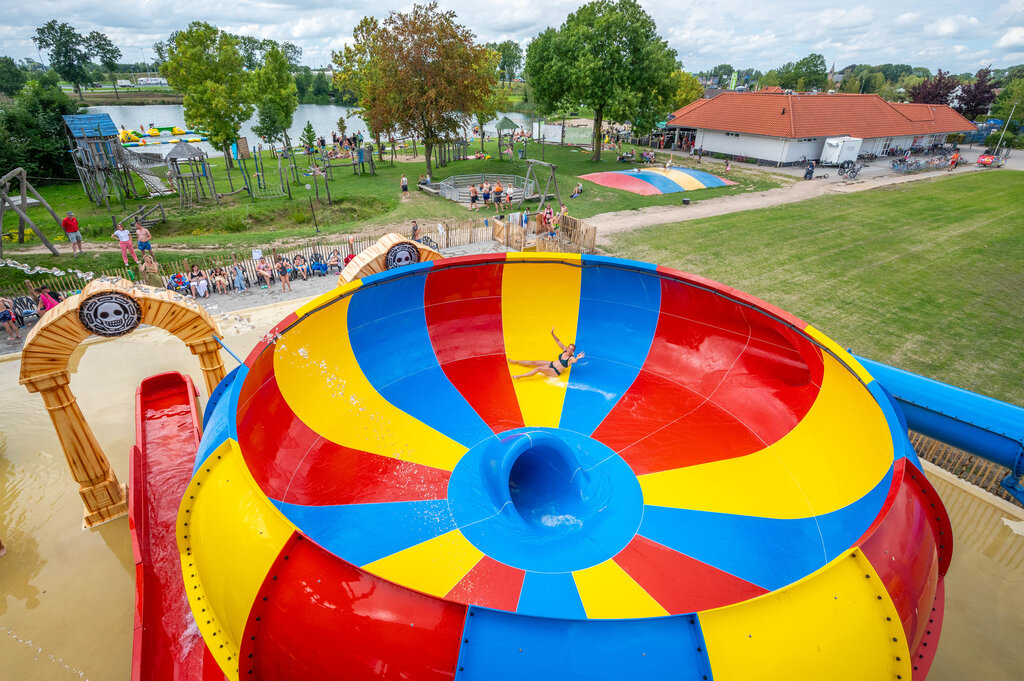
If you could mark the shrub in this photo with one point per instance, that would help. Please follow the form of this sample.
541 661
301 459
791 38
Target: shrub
299 217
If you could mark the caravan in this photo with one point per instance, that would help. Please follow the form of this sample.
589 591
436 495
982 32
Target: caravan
152 82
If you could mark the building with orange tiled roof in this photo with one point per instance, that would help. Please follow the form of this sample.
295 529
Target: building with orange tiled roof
782 127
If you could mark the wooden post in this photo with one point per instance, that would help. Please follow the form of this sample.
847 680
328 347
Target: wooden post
208 353
104 498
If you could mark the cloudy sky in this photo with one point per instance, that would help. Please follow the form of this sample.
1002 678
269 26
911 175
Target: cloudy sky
945 34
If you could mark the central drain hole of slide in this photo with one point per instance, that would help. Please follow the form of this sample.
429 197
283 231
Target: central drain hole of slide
546 488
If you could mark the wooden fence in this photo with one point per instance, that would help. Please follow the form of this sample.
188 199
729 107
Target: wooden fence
573 236
964 465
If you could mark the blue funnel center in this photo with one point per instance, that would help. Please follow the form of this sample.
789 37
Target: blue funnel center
545 499
545 485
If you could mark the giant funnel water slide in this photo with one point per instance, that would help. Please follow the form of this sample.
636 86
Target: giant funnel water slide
715 491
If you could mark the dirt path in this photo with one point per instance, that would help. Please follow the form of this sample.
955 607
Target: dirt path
628 220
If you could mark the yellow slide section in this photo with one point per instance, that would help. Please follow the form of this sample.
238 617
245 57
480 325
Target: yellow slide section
607 592
229 534
433 567
830 625
534 299
321 380
825 472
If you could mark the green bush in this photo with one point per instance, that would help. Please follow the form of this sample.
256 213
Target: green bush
299 217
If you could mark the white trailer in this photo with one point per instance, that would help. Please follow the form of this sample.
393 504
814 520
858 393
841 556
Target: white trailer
838 150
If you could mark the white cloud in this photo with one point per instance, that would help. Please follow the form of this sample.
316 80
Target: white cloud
953 26
907 19
1012 38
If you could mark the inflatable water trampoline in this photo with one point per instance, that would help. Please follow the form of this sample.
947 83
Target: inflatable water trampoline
652 181
716 490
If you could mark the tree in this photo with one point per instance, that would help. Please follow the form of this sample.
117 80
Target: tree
893 72
937 90
308 136
273 90
975 98
160 50
303 82
203 64
608 56
321 89
108 54
813 71
1012 94
342 125
68 52
688 89
420 73
497 100
510 58
12 79
292 53
32 130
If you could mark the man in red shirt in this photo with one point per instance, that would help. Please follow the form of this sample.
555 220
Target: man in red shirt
70 225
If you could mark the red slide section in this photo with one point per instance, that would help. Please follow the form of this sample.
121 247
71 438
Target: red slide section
167 645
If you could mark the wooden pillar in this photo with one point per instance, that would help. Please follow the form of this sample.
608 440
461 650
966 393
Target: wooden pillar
104 498
208 353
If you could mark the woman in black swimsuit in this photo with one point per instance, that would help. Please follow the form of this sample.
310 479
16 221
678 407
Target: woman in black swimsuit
565 359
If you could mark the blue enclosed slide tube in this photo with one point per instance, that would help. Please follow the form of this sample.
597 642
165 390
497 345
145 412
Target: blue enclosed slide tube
975 423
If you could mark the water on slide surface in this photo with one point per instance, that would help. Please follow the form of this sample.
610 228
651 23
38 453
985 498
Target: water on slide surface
67 596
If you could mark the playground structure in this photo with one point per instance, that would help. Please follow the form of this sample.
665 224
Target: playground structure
717 490
654 181
106 308
104 167
531 174
19 203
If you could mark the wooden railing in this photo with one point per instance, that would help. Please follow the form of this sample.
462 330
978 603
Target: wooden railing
964 465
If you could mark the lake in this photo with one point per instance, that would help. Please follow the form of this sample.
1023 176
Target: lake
324 118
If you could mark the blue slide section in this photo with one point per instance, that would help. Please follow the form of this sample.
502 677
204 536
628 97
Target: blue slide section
398 525
550 594
219 418
618 316
500 646
388 334
768 552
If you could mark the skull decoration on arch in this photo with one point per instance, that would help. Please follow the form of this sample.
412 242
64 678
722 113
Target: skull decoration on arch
401 254
110 314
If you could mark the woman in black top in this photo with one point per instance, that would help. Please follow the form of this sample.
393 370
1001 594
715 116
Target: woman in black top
565 359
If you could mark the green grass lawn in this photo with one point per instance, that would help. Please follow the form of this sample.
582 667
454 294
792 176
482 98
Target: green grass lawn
927 276
360 202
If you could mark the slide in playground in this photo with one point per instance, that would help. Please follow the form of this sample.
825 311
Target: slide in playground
716 490
166 645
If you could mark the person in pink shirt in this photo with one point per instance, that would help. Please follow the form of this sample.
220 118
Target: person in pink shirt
46 300
124 239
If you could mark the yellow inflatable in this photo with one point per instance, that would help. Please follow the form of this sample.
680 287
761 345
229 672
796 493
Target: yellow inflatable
177 131
154 132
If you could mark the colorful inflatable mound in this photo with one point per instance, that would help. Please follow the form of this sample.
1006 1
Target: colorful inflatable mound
649 181
716 490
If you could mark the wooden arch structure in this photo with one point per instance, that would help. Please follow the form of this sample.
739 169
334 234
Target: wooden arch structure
391 251
107 307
